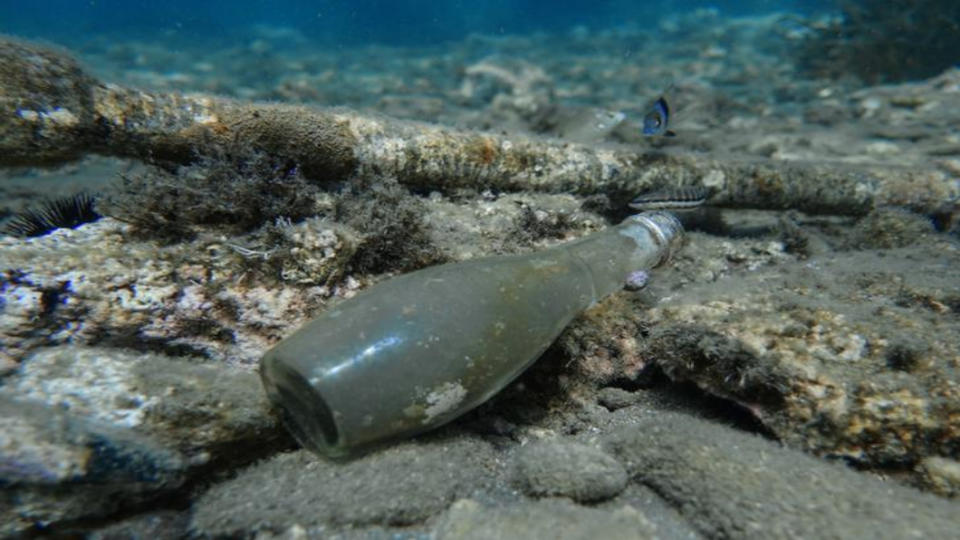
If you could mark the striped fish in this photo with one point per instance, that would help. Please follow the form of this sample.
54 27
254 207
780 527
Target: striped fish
681 198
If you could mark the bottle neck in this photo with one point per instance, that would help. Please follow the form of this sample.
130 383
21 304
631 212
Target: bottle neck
641 242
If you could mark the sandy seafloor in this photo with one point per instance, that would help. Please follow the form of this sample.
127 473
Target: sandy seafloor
787 375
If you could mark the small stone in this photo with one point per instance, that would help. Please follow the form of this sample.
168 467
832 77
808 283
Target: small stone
568 469
468 519
616 398
887 228
941 475
882 148
637 280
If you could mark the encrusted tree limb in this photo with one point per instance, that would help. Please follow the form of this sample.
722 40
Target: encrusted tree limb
52 111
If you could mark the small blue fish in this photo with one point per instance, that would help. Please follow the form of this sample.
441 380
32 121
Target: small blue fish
657 119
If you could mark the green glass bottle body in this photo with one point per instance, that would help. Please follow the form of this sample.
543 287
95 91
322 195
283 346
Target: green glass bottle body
418 350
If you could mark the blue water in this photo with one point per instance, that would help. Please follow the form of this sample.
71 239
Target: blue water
392 22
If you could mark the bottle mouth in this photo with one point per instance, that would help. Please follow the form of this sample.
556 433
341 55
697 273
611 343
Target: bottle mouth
302 409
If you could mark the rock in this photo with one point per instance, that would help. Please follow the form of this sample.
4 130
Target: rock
55 466
158 524
89 431
614 398
97 285
815 350
941 475
53 94
568 469
736 485
552 518
197 409
666 518
886 228
402 484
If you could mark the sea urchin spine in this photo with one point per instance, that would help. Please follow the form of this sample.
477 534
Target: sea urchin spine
64 212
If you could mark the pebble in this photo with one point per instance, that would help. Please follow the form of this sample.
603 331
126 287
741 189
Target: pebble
616 398
568 469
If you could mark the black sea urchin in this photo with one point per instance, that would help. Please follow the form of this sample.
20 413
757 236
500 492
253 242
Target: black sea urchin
71 212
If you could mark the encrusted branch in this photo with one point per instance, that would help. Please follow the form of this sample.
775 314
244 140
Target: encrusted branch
52 111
